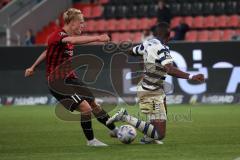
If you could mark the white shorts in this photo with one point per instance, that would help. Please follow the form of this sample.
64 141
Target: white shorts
152 103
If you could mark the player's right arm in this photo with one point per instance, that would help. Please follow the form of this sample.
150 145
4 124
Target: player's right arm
167 63
175 72
85 39
30 71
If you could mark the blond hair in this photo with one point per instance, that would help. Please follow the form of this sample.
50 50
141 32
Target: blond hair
72 14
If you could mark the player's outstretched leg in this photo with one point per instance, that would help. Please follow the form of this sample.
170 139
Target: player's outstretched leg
86 124
102 116
154 130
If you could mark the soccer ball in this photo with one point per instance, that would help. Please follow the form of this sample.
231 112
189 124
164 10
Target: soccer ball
126 134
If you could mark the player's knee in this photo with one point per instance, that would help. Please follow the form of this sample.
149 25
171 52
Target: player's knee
160 128
84 107
95 107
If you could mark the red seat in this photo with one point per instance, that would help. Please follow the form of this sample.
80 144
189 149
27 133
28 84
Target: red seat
215 35
228 34
175 22
191 36
237 32
126 36
233 21
122 24
221 21
100 25
111 25
209 21
90 26
203 35
133 24
137 37
198 22
188 20
87 11
152 22
144 23
115 37
96 11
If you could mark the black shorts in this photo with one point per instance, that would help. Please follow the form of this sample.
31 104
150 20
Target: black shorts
79 93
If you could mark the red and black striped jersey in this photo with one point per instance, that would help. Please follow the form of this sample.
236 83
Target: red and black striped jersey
59 57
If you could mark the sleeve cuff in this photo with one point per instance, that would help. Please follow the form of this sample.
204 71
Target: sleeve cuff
167 61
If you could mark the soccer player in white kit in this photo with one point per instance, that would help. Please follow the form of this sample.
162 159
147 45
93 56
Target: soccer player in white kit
152 99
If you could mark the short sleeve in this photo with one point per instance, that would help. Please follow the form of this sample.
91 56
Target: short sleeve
138 50
164 57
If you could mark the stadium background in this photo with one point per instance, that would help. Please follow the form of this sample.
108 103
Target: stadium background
200 126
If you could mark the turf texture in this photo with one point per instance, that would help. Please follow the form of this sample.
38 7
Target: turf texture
198 132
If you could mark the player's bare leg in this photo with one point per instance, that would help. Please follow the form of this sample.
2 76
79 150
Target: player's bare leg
86 123
102 116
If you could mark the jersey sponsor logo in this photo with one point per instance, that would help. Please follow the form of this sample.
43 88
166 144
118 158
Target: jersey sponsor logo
69 49
62 34
70 53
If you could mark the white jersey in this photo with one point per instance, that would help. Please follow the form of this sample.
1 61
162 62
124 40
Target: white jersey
155 55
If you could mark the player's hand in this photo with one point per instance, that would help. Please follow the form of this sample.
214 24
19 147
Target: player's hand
104 38
199 78
29 72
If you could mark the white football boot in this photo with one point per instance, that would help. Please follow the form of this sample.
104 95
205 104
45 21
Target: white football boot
118 116
148 140
96 143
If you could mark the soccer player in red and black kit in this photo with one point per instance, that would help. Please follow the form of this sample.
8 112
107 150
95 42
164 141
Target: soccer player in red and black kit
60 51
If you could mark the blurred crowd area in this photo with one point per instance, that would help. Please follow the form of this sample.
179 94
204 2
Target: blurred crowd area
133 20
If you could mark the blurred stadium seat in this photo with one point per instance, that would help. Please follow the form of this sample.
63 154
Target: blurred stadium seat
96 11
111 25
137 36
203 35
233 21
228 34
122 24
219 19
191 36
133 24
101 25
175 21
198 22
189 21
215 35
209 21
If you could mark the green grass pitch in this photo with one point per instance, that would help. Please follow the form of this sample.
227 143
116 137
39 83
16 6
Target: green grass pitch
200 132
